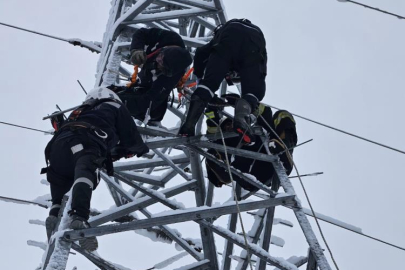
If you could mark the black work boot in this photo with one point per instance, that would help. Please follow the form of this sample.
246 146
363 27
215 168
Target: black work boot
79 223
241 122
50 225
197 106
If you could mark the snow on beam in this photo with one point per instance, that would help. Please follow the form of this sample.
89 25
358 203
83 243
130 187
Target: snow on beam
302 218
138 204
228 246
203 265
197 3
142 164
297 261
221 7
98 261
144 178
58 249
160 197
155 132
204 23
171 164
171 4
333 221
254 234
254 249
160 143
178 216
133 12
169 15
174 236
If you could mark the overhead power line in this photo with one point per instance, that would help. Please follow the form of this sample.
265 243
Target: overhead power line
373 8
344 132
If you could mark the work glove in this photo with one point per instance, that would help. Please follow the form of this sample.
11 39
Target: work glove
138 57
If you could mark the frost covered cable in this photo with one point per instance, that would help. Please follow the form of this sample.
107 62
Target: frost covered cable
373 8
309 174
43 131
280 141
34 32
235 196
8 199
345 132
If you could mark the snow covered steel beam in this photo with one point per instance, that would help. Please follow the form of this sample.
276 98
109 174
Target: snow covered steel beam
158 143
254 249
127 166
197 3
203 265
178 216
174 236
222 14
139 204
267 235
204 23
143 178
254 234
98 261
302 219
228 246
171 164
207 236
155 132
169 15
133 12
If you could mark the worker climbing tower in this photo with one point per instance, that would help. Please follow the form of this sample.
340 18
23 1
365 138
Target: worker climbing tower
139 184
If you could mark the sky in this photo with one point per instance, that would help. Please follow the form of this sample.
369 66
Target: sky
333 62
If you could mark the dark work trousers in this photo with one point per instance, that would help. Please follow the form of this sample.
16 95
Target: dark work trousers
262 170
237 49
138 102
73 162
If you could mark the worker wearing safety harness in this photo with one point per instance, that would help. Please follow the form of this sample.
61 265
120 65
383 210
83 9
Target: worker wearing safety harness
282 123
99 128
237 46
163 59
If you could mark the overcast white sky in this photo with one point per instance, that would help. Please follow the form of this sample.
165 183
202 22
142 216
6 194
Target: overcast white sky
334 62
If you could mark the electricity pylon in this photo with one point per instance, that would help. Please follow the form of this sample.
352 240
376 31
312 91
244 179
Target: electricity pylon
194 20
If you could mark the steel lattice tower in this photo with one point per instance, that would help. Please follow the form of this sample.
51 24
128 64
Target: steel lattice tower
194 20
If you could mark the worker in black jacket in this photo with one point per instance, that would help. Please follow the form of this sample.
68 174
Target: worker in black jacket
81 145
164 59
238 46
282 123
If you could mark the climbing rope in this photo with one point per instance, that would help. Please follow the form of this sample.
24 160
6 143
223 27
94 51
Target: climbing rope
235 195
248 255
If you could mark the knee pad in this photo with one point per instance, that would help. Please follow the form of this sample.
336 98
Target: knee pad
85 171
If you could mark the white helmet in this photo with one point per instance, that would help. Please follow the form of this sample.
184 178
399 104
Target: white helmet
101 93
